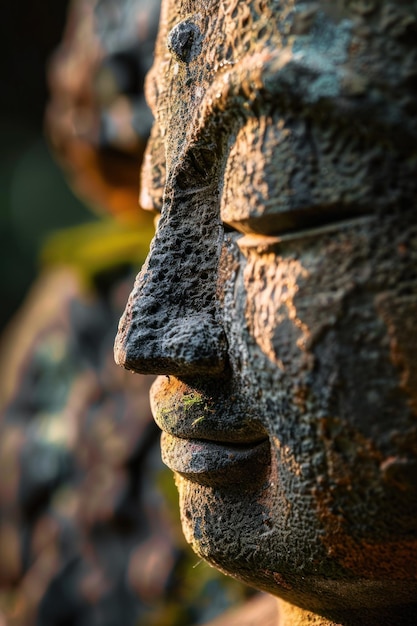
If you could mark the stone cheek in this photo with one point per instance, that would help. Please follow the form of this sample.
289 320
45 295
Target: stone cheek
271 286
313 309
305 319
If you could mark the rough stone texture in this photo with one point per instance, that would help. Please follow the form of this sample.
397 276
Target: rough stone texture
295 125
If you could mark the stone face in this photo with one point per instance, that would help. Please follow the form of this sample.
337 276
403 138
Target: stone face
279 297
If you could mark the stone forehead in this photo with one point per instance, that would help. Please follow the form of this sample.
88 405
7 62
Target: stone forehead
323 36
231 46
233 28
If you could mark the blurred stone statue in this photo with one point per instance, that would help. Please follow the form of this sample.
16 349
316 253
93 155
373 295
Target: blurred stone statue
278 302
88 534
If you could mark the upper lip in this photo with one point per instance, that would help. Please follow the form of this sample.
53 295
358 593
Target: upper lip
185 412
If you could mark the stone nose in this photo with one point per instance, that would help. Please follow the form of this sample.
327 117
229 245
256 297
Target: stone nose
170 325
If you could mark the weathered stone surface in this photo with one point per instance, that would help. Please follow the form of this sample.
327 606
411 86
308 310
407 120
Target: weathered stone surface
295 127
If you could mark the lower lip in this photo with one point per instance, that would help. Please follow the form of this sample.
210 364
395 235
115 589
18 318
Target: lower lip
210 462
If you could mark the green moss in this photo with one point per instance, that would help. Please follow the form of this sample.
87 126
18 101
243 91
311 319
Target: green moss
190 400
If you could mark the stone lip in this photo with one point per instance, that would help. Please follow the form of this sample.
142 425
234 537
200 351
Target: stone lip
198 431
207 411
210 436
214 463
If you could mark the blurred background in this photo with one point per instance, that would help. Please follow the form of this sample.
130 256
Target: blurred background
34 198
89 523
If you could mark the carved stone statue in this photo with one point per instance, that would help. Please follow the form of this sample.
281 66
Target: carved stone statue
278 302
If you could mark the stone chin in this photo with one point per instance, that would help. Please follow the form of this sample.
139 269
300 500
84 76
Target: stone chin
219 529
244 546
244 530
